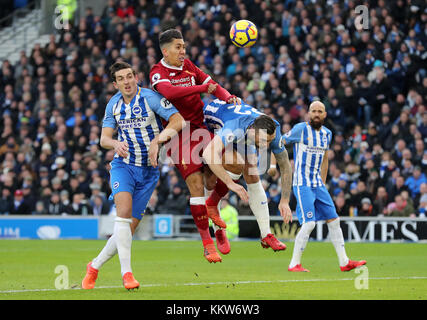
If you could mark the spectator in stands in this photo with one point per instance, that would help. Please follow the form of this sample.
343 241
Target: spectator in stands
381 201
19 206
400 208
366 208
415 181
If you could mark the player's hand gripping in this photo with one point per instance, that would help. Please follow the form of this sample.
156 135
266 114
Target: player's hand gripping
239 190
121 148
285 211
234 100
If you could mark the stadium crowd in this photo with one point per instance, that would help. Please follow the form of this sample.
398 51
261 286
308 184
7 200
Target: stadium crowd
372 81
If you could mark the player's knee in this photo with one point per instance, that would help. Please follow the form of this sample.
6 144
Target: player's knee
309 225
333 223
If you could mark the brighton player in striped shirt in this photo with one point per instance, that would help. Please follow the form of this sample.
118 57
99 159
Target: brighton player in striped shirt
137 113
239 147
311 143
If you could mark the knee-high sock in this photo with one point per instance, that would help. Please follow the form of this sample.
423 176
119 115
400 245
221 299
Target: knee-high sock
208 193
109 251
201 219
301 242
123 236
259 206
337 239
217 193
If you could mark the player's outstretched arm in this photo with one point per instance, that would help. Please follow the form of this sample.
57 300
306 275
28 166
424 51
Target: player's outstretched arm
107 142
213 157
172 92
286 181
222 93
176 124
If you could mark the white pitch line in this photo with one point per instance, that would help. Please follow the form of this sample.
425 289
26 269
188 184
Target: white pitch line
216 283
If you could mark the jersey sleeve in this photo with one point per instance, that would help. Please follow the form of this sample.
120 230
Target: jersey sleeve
109 119
230 132
293 135
160 105
158 75
277 145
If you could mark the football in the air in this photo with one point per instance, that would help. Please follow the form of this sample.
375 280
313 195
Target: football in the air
243 33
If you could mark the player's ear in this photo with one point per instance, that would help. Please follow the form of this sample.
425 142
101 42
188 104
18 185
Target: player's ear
115 85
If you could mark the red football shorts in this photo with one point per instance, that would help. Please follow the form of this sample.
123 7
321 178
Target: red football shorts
187 147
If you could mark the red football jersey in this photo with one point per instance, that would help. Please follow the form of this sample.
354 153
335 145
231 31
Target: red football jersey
188 75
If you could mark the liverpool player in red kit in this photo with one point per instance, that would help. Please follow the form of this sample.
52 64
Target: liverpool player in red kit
181 82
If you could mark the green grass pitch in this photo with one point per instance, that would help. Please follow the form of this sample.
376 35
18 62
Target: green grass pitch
176 270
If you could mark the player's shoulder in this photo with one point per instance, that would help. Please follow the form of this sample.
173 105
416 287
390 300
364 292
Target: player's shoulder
149 93
329 132
153 96
114 99
299 126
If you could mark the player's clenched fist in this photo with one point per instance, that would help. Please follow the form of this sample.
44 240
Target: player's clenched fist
121 148
212 88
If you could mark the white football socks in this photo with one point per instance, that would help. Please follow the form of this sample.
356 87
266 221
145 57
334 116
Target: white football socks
259 206
123 236
301 242
337 239
109 251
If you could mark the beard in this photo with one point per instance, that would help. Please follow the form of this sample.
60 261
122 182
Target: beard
316 124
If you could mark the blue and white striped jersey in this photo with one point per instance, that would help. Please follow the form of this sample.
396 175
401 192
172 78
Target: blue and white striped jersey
309 149
232 121
138 122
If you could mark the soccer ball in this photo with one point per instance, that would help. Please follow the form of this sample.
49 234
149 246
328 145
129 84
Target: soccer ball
243 33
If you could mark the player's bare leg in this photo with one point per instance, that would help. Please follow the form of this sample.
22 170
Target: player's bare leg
259 205
337 240
198 210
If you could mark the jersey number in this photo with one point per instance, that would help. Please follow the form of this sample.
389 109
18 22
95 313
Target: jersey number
237 108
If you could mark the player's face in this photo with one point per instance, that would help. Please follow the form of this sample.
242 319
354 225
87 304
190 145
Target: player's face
126 82
260 137
174 53
317 115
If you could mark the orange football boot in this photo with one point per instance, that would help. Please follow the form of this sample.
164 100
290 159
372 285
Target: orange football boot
210 253
129 281
90 277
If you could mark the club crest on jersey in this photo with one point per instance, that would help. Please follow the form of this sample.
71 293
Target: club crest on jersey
137 110
309 214
172 74
116 185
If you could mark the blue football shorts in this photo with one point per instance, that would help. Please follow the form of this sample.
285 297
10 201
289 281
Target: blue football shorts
140 182
314 204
